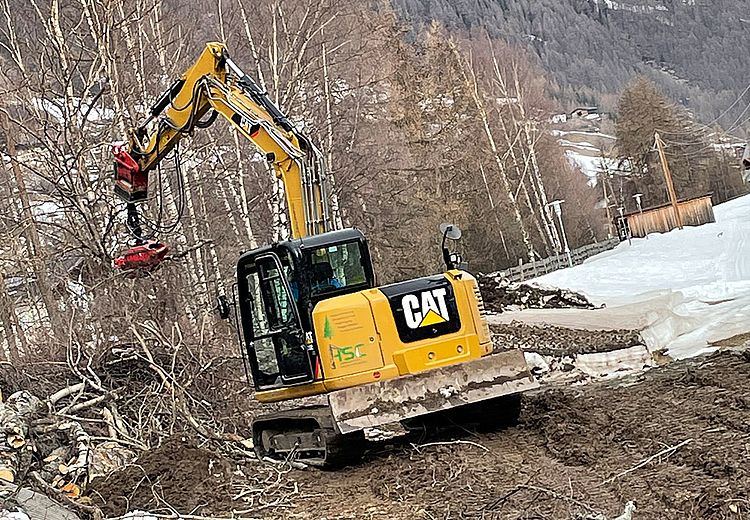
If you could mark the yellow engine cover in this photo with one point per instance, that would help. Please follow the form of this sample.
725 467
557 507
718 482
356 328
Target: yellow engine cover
400 329
347 339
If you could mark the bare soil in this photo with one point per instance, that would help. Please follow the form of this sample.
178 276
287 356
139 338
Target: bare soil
176 476
577 452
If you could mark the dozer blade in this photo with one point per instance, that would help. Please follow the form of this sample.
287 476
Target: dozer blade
394 400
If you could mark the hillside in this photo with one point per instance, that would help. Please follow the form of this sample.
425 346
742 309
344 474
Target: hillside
692 48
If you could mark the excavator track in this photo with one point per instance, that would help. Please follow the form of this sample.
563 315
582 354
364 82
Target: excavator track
307 435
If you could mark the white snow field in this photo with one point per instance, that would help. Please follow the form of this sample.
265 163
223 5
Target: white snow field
686 289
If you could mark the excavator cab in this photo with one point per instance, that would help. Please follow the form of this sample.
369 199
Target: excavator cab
279 286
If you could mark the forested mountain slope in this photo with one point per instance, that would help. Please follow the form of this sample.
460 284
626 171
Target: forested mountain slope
697 51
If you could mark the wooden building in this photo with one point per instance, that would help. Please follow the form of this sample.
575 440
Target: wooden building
584 112
660 219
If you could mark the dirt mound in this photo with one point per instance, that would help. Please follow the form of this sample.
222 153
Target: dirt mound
689 421
673 439
578 452
499 296
176 476
548 340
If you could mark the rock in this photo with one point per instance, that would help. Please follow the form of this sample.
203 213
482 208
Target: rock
25 504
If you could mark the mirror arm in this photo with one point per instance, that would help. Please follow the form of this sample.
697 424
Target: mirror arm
446 253
447 259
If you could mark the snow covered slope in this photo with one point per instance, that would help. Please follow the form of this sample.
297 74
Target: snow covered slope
588 150
692 286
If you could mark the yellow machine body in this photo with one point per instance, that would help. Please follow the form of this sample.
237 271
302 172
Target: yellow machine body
359 343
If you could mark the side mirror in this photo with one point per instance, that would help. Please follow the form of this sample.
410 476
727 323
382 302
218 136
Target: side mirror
222 307
451 231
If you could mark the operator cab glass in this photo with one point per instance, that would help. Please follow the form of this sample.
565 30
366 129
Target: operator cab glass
270 313
278 288
336 269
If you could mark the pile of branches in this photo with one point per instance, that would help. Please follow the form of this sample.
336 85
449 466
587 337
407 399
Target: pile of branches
103 406
33 432
502 296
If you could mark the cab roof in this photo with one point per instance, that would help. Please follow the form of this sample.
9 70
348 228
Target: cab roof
311 242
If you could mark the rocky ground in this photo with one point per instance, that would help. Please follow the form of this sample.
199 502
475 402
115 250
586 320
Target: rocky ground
675 440
548 340
500 296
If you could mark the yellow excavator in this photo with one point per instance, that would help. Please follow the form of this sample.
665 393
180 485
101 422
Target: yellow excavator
313 322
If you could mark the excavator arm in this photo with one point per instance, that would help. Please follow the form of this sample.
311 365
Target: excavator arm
214 85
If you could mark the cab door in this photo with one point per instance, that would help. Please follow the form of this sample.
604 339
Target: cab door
277 349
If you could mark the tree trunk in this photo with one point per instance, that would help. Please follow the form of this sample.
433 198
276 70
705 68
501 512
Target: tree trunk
34 246
471 83
333 196
521 175
9 323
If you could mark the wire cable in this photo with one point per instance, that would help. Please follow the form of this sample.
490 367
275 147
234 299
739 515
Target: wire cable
735 124
158 225
747 89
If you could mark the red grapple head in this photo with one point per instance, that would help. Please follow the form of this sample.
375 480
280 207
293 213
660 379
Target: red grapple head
144 256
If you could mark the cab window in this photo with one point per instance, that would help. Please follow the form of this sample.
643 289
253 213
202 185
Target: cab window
336 267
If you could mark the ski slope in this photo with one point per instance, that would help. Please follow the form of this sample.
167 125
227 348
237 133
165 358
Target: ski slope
689 287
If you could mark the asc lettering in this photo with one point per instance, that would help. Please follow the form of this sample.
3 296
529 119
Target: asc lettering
417 308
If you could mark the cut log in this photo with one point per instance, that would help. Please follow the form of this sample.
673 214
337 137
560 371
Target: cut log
16 447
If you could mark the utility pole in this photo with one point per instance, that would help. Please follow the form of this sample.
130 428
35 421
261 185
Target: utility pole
668 178
610 232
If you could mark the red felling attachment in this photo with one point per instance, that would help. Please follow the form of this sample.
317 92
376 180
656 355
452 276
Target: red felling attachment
144 256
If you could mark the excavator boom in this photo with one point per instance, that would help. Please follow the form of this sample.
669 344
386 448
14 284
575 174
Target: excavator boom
214 83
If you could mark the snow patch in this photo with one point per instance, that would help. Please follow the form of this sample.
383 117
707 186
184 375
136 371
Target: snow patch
58 109
593 165
642 9
691 287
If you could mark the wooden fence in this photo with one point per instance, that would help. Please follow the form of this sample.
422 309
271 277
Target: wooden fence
540 267
661 219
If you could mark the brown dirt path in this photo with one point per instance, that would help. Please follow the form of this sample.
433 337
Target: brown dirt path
558 463
555 464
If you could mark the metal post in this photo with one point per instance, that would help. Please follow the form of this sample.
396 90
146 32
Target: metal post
558 211
637 198
625 224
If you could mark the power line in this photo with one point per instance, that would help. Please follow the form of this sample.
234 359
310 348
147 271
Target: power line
747 89
735 125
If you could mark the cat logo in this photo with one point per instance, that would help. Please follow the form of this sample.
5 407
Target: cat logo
427 308
247 125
